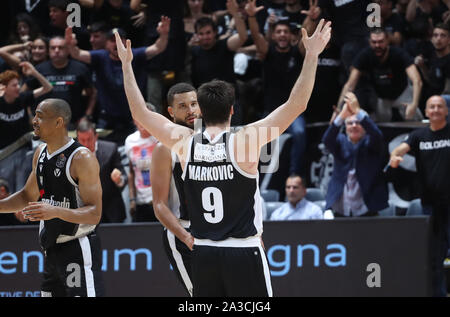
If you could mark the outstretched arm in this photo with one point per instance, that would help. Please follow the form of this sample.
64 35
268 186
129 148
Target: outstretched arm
159 126
262 46
282 117
75 52
235 41
161 43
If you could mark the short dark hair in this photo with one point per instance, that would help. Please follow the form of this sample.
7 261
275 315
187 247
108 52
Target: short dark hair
205 21
282 22
295 175
442 26
378 30
61 109
215 99
176 89
100 26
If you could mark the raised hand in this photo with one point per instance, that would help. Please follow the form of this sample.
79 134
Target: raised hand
314 10
251 8
316 43
69 37
232 7
163 26
27 69
352 101
125 53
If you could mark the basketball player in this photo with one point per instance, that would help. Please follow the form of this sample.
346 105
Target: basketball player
220 172
66 185
168 195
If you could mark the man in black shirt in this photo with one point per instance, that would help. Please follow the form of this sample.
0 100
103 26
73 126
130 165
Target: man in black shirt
14 123
69 79
436 72
213 58
220 170
431 147
282 63
389 69
64 193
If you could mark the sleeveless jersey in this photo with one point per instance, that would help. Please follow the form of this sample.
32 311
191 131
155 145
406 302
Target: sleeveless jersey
57 188
177 174
223 201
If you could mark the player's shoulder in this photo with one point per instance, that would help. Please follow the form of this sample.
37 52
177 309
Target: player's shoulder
161 153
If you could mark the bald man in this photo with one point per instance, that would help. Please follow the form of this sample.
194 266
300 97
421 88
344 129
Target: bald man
63 192
431 147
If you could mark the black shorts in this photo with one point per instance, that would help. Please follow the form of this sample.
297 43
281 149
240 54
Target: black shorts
73 269
230 272
180 258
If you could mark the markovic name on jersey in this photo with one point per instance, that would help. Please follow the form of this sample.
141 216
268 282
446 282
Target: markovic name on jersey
213 173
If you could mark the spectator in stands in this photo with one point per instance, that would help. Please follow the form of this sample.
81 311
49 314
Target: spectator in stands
58 23
71 81
349 25
112 173
24 29
431 148
168 66
391 21
430 11
297 206
212 58
436 71
114 112
282 63
15 123
389 68
118 14
193 10
36 52
139 148
39 50
98 35
357 186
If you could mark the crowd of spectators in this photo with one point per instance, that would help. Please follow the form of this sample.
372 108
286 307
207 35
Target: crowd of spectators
392 63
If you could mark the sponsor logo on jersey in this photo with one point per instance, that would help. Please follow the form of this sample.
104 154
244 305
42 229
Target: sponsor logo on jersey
61 161
65 203
210 153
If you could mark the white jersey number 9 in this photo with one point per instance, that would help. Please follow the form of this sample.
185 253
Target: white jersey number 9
213 203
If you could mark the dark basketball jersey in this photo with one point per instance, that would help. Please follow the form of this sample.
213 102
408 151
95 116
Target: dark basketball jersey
57 188
223 201
177 173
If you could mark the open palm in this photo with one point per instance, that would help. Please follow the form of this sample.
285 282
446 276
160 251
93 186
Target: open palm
125 53
316 43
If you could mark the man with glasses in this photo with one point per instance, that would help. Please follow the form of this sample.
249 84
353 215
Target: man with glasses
357 186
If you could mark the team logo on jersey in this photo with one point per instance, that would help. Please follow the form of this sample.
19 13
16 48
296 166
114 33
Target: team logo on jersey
61 161
57 172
